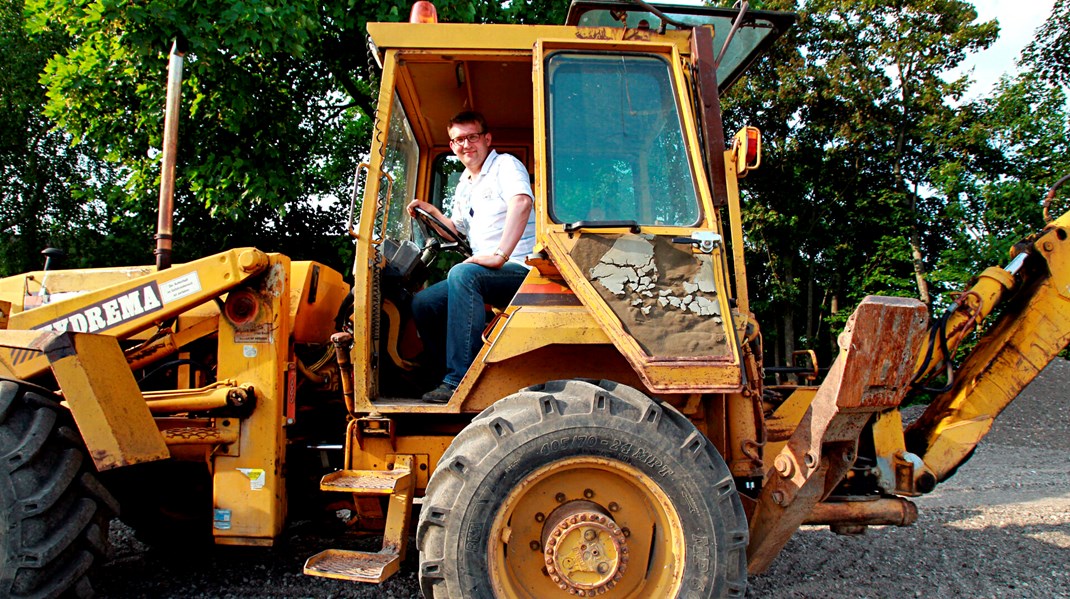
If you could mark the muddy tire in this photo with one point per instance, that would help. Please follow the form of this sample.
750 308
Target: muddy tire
580 488
54 513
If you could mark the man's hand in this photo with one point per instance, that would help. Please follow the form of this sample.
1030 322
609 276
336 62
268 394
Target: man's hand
491 261
413 205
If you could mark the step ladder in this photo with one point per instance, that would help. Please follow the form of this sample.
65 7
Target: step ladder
362 566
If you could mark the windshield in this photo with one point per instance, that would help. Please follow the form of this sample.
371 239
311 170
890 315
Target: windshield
616 141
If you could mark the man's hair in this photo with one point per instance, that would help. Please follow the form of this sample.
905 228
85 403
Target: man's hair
466 117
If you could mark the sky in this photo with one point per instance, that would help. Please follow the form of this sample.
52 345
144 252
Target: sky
1018 22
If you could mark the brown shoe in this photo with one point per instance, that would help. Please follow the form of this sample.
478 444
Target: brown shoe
440 394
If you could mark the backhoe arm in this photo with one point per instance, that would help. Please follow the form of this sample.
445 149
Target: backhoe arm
124 309
1033 327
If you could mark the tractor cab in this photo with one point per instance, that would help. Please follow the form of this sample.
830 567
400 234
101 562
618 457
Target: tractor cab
615 117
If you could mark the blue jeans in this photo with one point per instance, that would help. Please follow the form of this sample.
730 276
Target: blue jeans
450 315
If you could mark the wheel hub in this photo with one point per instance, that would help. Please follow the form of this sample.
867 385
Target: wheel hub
584 549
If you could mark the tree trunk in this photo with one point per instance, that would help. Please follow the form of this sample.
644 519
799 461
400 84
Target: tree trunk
915 251
919 268
789 340
810 306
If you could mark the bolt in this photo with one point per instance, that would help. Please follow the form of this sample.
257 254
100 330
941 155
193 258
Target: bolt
778 497
1048 246
539 517
588 493
613 507
603 568
590 535
810 460
534 545
626 532
784 465
560 497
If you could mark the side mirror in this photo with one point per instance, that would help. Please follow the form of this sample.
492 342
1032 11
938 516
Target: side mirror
747 146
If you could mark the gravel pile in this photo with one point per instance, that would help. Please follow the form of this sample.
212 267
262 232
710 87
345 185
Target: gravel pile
999 528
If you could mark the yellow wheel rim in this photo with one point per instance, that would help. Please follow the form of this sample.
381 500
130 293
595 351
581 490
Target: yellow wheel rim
586 526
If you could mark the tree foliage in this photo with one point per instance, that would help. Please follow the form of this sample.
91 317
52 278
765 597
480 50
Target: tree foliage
877 176
51 192
1049 53
871 160
276 109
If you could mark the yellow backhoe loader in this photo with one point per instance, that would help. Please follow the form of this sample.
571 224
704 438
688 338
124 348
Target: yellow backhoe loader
614 436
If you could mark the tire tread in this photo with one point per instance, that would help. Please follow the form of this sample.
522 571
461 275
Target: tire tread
55 513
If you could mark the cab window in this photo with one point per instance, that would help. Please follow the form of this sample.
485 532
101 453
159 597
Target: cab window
401 159
616 142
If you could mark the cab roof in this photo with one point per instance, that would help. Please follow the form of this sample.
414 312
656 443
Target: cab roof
757 30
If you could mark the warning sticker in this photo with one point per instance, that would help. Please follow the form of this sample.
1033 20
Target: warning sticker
257 477
257 333
180 287
221 519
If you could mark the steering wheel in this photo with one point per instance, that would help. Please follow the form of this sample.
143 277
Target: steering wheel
433 228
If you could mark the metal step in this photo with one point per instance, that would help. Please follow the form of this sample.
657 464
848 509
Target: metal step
357 566
363 482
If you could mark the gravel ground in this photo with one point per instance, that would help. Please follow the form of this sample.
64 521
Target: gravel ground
999 528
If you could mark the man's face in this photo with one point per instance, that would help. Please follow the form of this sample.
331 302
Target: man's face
474 151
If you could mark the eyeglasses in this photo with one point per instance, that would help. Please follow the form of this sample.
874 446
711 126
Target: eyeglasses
471 138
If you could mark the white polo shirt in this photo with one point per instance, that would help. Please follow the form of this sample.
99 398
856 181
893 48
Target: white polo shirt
479 205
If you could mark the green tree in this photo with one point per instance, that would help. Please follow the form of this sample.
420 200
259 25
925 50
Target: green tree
276 109
1004 152
844 204
1049 53
51 192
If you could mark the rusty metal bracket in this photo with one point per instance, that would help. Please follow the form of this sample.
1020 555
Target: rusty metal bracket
871 374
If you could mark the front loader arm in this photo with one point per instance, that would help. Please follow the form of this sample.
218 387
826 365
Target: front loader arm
124 309
1033 327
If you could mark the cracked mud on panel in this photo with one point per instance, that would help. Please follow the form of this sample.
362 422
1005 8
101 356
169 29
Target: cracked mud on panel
664 296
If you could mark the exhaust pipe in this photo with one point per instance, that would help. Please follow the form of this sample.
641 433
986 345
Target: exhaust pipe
166 219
